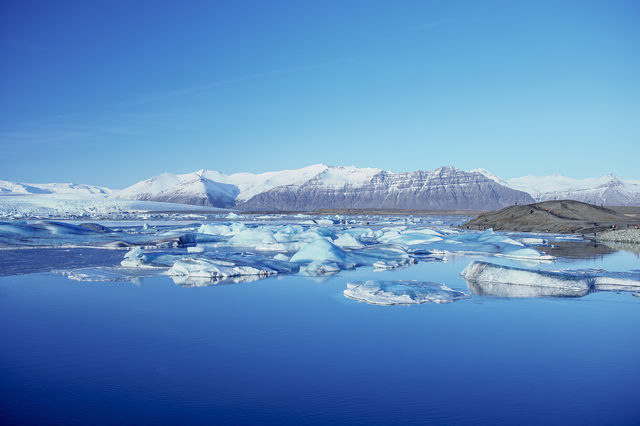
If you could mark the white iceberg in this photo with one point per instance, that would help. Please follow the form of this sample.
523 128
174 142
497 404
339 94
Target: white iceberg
402 292
347 240
216 268
320 250
505 281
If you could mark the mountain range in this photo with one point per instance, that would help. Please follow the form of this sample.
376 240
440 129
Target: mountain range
327 187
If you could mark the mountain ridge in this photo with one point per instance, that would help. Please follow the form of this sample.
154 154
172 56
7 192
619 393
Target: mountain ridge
319 186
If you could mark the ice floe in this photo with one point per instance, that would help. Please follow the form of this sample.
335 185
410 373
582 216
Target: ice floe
402 292
505 281
216 268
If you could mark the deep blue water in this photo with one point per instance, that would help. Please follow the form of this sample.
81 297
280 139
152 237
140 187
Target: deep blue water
293 350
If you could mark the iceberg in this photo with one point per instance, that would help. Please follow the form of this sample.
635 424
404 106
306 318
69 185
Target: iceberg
216 268
402 292
320 250
610 281
505 281
347 241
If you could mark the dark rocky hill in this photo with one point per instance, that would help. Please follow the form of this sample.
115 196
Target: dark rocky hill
563 216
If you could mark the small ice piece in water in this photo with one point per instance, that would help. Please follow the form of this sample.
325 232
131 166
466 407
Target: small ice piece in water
134 258
382 265
526 253
533 241
282 257
505 281
402 292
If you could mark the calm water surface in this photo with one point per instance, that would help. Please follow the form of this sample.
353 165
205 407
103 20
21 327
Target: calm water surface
293 350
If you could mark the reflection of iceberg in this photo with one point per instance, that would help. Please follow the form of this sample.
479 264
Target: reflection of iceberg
402 292
505 281
610 281
187 281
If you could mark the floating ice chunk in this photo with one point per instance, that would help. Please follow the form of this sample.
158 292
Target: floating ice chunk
533 241
610 281
222 229
402 292
320 268
410 237
134 258
138 258
253 237
320 250
390 254
232 215
210 268
505 281
381 265
282 257
347 241
526 253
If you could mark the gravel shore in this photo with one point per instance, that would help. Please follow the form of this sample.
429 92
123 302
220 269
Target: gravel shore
621 236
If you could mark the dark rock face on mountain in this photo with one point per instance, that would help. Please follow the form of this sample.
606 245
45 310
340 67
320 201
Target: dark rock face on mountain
445 188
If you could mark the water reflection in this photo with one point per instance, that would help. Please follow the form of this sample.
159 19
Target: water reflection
510 290
188 281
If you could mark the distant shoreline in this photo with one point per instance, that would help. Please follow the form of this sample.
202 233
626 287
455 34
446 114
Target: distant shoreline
359 212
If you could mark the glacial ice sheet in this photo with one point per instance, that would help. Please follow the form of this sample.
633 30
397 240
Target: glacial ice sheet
505 281
402 292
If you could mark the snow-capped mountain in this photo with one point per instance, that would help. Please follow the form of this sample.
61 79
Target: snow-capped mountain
15 188
326 187
190 188
608 190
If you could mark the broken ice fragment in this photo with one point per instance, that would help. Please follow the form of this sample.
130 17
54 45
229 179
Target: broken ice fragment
402 292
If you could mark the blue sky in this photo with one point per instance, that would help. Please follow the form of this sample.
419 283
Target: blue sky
111 92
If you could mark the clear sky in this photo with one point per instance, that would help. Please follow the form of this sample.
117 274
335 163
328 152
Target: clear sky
112 92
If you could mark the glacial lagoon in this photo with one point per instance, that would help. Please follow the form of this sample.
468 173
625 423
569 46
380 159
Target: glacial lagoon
314 320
